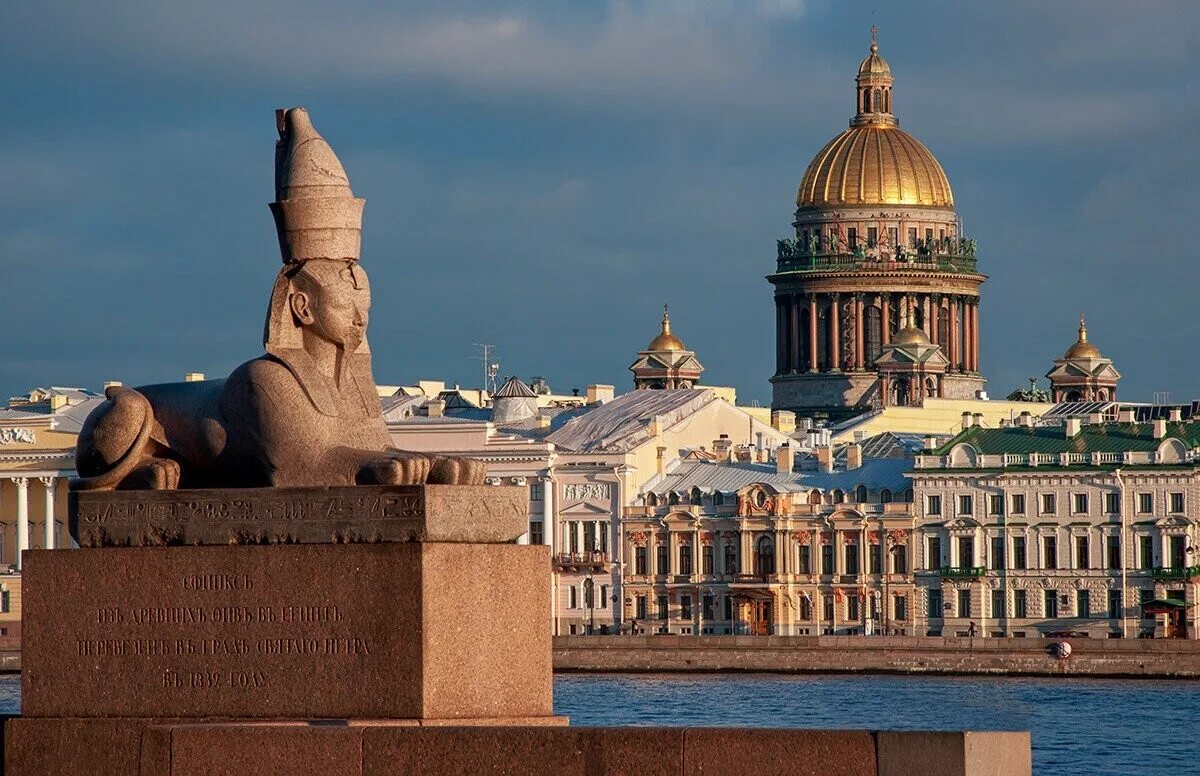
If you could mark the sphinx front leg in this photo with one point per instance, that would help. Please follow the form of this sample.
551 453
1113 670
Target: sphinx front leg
394 468
152 474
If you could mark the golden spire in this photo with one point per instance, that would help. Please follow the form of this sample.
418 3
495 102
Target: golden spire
666 321
666 340
874 39
1082 348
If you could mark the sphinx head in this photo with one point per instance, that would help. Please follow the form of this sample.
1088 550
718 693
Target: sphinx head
330 300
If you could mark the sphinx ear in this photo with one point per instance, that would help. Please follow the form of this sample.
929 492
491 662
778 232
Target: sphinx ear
301 308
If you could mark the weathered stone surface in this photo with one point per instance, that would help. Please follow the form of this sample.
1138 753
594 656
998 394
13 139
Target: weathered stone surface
307 412
954 754
767 752
364 513
421 630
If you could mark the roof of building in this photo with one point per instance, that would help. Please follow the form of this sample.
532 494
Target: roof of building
1091 438
514 388
875 474
624 422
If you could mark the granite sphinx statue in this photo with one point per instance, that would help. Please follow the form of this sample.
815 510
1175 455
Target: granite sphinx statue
306 413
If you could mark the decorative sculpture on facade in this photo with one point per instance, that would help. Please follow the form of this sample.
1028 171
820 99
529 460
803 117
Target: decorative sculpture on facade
304 414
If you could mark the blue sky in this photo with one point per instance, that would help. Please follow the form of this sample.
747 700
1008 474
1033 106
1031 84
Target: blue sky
544 175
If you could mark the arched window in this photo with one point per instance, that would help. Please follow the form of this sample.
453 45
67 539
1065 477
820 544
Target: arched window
718 498
908 496
822 338
814 497
866 100
697 496
887 100
673 498
836 497
1102 395
885 496
876 101
651 500
874 334
860 494
1074 396
764 556
900 393
930 387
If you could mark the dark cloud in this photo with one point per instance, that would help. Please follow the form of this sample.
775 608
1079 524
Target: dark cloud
545 175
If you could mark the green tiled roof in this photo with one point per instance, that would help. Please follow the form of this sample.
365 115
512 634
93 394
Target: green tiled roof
1092 438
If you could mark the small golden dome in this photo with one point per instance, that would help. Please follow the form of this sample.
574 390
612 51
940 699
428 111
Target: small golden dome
911 334
1082 348
666 340
874 64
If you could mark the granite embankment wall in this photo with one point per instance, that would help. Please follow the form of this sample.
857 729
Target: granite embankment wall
1175 659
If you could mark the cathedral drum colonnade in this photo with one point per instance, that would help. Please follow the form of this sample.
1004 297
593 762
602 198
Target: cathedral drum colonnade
877 245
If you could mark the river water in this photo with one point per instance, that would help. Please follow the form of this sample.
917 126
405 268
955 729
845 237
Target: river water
1081 727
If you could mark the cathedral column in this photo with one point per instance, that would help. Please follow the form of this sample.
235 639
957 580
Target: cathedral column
954 340
812 333
22 484
975 336
48 484
927 316
835 339
970 336
859 338
885 310
794 342
935 331
781 344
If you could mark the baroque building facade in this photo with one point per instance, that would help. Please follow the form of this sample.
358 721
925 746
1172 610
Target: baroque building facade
877 241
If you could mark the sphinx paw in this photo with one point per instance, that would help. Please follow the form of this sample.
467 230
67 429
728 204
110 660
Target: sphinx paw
457 471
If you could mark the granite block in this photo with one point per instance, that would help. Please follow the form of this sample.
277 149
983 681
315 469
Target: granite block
263 750
288 632
954 754
325 515
778 752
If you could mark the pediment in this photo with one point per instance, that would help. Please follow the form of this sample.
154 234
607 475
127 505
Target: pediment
584 508
1172 521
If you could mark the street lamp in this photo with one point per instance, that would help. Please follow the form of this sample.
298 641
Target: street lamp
589 600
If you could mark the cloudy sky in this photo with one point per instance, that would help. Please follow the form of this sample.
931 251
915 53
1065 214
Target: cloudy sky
544 175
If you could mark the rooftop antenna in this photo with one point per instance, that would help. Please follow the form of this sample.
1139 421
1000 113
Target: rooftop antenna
1162 397
491 365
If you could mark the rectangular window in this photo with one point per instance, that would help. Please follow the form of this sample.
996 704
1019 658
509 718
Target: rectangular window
1145 503
574 541
934 603
966 505
1020 561
933 505
1051 601
900 559
997 552
900 607
709 607
1177 548
804 560
572 598
1114 604
731 564
942 234
875 559
663 605
1145 596
805 608
964 603
662 560
641 607
1049 552
1146 552
912 237
1082 557
1083 603
537 492
729 608
685 559
827 607
685 607
852 613
893 236
998 604
1113 551
1018 504
826 559
872 236
851 559
603 536
966 552
995 504
706 559
1112 503
1020 603
852 238
1081 503
1176 502
639 560
1049 504
933 560
928 236
589 536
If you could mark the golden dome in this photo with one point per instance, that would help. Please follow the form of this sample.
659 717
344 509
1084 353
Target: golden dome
1082 348
666 340
874 162
911 334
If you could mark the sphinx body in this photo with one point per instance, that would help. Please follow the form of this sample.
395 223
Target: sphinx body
305 413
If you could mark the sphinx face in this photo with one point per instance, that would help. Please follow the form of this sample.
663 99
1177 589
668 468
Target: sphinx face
332 301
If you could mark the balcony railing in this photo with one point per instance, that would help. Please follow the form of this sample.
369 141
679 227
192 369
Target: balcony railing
1178 572
943 255
962 572
582 559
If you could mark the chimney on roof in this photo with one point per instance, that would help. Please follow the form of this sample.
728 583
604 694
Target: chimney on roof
435 408
804 424
543 421
661 460
1072 426
785 459
57 402
784 421
853 456
760 451
1095 418
1126 415
977 420
193 377
967 420
599 394
721 447
1160 428
1025 419
825 458
654 427
1176 414
930 442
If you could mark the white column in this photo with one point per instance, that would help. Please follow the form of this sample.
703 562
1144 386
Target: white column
22 484
48 484
548 512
